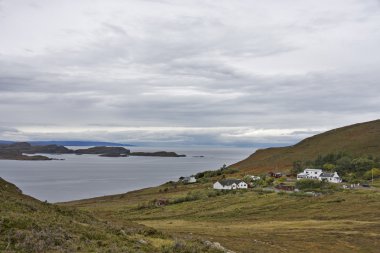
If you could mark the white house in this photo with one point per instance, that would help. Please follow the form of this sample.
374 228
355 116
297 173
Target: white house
330 177
189 180
320 175
310 174
230 184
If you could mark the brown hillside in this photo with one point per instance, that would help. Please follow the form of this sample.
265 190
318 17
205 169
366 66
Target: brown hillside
356 140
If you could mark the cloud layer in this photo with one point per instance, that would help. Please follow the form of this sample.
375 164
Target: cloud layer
187 72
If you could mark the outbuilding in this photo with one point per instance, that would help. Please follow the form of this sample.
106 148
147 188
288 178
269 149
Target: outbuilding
189 180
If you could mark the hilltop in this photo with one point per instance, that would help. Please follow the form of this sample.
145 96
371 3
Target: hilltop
356 140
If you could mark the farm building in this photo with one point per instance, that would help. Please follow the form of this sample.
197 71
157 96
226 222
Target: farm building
189 180
275 174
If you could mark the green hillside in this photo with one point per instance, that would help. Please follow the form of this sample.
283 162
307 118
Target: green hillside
29 225
355 140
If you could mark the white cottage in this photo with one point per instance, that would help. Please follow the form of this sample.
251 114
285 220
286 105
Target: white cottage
310 174
320 175
189 180
330 177
230 184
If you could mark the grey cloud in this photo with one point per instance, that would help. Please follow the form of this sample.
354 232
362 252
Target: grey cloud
201 64
8 129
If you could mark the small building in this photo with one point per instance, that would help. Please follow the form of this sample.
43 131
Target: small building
188 180
275 174
230 184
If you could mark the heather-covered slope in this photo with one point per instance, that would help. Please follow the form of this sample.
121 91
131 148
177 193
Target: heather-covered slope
356 140
29 225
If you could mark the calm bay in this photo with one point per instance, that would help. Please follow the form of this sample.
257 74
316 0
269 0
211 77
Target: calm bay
86 176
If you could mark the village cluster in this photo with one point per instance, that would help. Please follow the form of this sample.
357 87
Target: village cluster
317 174
232 184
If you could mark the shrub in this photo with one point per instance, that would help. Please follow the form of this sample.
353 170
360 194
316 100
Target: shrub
316 185
268 181
191 196
224 170
375 172
309 184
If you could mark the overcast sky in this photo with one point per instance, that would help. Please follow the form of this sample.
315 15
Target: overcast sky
188 72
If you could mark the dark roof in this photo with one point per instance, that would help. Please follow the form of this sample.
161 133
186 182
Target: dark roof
225 182
324 174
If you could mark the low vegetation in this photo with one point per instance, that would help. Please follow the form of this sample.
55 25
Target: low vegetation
205 176
307 185
28 225
254 220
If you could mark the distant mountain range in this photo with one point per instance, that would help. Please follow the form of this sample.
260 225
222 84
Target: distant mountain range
356 140
72 143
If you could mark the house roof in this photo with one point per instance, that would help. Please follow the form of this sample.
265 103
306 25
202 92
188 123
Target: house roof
324 174
226 182
309 169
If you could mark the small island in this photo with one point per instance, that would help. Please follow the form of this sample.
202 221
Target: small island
18 151
159 153
25 151
104 151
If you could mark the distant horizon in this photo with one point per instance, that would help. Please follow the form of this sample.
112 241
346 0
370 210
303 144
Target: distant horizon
143 144
155 143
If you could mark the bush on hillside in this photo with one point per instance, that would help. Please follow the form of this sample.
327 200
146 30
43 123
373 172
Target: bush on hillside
317 186
310 184
190 196
224 170
375 172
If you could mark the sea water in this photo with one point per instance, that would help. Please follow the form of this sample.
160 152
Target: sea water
86 176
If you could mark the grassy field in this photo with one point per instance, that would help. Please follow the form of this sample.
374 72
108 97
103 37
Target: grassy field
29 225
252 221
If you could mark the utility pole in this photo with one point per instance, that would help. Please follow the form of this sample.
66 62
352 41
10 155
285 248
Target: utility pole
372 176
